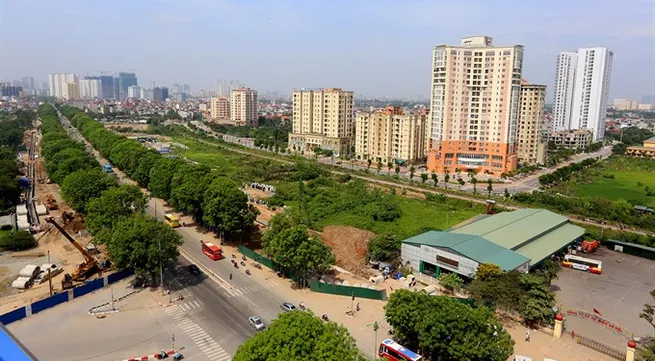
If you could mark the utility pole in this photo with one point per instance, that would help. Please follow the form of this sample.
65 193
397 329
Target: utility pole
161 269
50 281
112 298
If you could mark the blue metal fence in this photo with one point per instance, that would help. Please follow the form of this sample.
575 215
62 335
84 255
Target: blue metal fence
46 303
88 287
12 316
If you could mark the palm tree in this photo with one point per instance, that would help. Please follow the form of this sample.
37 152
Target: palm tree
397 170
424 177
446 178
368 162
411 172
490 187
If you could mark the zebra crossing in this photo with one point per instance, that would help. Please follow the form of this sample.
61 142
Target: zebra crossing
210 348
188 306
236 292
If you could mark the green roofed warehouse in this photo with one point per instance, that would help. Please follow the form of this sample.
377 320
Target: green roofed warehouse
517 240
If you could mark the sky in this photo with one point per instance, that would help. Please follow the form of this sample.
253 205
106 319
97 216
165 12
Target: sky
374 47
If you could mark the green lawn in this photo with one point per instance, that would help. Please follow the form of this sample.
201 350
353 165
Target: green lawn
624 185
417 216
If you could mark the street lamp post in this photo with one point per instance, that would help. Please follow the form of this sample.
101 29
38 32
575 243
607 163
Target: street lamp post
161 269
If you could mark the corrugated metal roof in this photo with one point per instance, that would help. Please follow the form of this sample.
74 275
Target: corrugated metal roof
471 246
513 230
544 246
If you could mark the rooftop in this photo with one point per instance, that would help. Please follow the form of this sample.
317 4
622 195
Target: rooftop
471 246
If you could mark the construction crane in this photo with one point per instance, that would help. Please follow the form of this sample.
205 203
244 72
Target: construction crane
83 270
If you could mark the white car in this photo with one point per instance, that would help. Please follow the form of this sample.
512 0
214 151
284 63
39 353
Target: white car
256 323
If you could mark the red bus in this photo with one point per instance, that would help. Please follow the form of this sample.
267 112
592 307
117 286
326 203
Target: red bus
394 351
211 250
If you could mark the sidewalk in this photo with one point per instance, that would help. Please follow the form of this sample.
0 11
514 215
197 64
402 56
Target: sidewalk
543 346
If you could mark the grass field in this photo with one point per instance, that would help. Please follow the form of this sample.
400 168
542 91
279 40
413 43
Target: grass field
630 179
416 215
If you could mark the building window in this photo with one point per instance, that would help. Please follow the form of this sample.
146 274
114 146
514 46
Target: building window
447 261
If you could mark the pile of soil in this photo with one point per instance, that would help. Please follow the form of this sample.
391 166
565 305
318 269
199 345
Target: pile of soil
349 245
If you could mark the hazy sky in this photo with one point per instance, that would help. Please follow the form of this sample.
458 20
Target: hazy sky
374 47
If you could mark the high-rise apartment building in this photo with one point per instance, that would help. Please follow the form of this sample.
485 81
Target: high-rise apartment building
322 118
186 89
58 84
224 87
125 80
474 106
160 94
134 91
243 106
28 83
72 90
90 88
147 94
220 109
389 135
563 92
582 82
531 147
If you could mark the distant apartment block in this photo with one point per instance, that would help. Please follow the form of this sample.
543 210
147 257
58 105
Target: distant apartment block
58 84
322 118
647 150
474 106
243 106
571 139
389 135
627 104
220 109
531 145
90 88
134 91
582 82
160 94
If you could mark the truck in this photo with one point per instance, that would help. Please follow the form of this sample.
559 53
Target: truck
108 168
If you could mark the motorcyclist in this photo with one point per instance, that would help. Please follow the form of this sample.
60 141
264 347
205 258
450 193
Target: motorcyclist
302 305
230 276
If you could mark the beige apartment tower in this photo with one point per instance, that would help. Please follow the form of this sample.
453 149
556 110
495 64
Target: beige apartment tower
322 118
220 109
243 106
531 144
389 135
474 106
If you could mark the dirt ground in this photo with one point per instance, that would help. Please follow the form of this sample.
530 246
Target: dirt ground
137 127
349 245
51 245
265 213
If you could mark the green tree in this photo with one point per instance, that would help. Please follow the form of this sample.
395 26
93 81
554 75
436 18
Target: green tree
141 243
225 208
412 171
82 186
621 210
397 170
368 163
474 181
161 175
504 292
379 166
424 178
507 195
460 181
435 179
490 187
648 313
293 248
142 172
114 205
389 167
446 179
299 336
383 247
188 187
17 241
537 305
451 282
549 270
9 191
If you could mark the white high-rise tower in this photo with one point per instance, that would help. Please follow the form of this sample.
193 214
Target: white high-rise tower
583 104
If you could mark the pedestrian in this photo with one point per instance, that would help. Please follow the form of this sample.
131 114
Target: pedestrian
527 335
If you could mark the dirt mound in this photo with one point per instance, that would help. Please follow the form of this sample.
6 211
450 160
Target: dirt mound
349 246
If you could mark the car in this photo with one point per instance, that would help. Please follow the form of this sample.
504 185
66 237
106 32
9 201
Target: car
194 269
256 323
288 306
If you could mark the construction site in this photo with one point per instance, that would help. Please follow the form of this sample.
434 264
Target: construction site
65 255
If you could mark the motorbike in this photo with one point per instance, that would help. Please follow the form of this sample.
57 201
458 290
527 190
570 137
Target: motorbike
177 356
236 265
302 306
258 265
180 297
162 355
390 332
243 263
324 317
248 272
243 258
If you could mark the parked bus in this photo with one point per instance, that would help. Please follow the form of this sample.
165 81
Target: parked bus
211 250
171 220
394 351
583 264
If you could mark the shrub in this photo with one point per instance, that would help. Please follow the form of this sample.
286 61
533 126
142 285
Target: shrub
17 241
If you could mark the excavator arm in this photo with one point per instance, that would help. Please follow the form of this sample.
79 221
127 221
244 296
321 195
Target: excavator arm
87 257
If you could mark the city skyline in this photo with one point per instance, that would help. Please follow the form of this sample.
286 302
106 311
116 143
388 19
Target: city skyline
291 51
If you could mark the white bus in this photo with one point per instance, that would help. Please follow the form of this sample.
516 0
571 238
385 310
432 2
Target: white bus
583 264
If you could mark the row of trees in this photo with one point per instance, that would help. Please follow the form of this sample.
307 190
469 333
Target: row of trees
114 214
628 137
212 200
565 173
12 129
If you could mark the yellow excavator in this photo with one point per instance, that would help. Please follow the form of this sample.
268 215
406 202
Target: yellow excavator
84 270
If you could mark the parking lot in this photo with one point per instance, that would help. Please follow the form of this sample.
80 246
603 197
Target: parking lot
618 294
